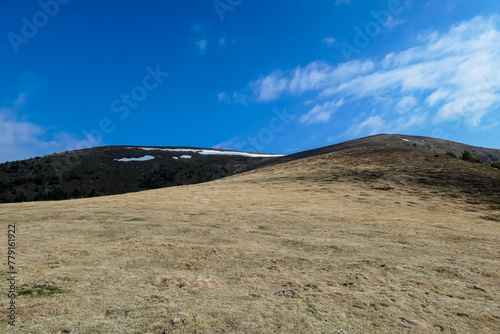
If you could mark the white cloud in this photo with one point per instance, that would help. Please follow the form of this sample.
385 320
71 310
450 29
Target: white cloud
271 87
232 144
239 98
20 101
406 104
330 41
438 95
373 124
200 30
321 113
235 97
447 76
393 23
202 44
21 139
14 130
381 123
223 97
315 76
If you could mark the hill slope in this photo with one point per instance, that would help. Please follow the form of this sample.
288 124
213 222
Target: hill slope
428 144
113 170
365 240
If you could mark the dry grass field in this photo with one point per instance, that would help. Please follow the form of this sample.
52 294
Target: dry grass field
372 240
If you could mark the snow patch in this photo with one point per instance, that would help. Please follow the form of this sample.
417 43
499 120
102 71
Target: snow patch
244 154
210 152
144 158
175 158
406 140
186 157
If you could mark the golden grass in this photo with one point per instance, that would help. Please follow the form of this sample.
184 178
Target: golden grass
338 243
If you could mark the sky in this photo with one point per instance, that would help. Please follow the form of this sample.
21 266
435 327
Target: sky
259 76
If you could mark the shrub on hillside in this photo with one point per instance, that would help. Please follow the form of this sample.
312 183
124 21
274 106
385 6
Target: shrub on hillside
467 156
54 195
496 164
39 180
68 177
451 154
158 178
20 198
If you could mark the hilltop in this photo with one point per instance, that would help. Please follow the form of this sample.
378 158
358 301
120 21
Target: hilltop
111 170
428 144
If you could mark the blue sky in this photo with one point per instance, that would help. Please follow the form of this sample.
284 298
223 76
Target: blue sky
268 76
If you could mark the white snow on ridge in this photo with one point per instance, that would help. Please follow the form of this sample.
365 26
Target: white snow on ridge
186 157
165 149
146 148
211 152
144 158
245 154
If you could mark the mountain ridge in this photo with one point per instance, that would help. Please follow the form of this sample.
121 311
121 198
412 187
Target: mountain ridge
436 145
119 169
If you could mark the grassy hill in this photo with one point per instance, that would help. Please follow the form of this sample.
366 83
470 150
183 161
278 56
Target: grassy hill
364 240
428 144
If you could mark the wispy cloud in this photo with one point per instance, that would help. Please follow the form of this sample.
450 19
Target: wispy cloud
223 97
321 113
232 144
445 77
199 29
316 76
232 98
330 41
381 123
371 125
407 103
20 101
202 44
21 139
393 22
